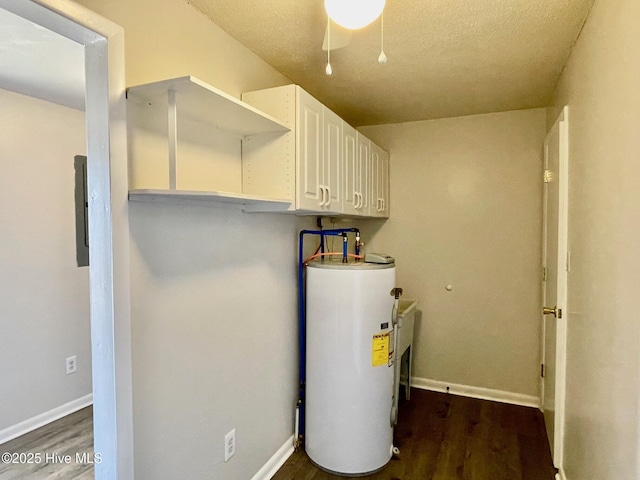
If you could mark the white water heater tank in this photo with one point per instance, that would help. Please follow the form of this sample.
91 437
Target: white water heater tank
349 371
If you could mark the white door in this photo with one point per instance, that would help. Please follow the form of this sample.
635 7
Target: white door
554 286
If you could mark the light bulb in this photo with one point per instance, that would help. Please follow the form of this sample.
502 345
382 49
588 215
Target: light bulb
353 14
382 58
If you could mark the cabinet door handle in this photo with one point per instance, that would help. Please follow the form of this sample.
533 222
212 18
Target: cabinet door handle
328 202
359 204
321 195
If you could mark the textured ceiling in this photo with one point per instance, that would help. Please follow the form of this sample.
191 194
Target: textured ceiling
446 57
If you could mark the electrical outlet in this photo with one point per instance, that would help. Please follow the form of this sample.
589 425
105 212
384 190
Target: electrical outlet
72 365
229 445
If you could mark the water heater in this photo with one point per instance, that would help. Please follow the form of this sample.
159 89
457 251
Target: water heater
349 368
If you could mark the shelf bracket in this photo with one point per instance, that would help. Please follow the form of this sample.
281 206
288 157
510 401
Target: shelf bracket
172 119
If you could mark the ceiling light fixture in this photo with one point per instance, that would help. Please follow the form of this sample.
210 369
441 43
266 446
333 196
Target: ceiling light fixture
354 14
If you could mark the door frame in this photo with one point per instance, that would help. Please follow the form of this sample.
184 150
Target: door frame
561 123
108 219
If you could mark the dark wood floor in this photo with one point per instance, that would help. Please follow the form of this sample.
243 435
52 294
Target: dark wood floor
45 450
446 437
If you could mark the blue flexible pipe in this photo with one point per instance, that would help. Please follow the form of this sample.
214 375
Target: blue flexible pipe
345 248
302 314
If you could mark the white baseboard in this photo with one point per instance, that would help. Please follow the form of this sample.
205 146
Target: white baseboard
270 468
44 418
476 392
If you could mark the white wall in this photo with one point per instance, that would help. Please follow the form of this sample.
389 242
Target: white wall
44 296
215 339
601 85
466 208
214 315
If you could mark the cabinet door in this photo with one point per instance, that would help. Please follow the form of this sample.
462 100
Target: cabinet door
379 205
332 162
375 203
384 183
309 194
364 177
350 155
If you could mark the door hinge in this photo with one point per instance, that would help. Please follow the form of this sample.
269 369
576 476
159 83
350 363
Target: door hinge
544 274
542 370
548 176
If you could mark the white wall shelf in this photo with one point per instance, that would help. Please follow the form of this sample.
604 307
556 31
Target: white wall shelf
211 131
204 103
249 202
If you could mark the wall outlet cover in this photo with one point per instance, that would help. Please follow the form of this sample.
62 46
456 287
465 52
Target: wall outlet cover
72 365
229 445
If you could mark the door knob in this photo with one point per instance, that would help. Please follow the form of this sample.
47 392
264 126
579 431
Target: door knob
555 311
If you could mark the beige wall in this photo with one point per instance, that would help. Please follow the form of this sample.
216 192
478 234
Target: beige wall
601 85
44 296
466 207
214 319
168 39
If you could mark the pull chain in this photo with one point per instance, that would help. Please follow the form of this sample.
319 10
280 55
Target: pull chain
328 70
382 58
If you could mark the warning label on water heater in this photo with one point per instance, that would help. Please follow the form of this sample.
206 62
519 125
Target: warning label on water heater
380 350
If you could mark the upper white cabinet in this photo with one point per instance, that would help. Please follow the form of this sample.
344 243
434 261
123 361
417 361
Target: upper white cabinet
187 140
311 153
324 159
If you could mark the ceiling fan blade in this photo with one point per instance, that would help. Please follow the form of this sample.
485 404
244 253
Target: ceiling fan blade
340 37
